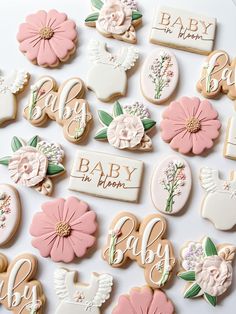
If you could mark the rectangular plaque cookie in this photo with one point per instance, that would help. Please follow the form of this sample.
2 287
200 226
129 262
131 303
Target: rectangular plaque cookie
106 175
183 30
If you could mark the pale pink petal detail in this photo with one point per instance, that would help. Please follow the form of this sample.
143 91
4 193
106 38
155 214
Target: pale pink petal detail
30 47
54 18
38 20
26 31
80 242
174 112
46 55
201 142
206 111
170 129
124 306
54 209
66 30
160 304
183 142
141 299
44 243
62 251
86 223
190 106
211 128
61 46
41 224
74 209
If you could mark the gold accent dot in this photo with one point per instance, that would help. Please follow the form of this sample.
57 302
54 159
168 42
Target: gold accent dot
46 32
193 125
63 229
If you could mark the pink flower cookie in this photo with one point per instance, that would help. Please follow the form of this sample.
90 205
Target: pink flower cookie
144 300
190 125
47 38
63 230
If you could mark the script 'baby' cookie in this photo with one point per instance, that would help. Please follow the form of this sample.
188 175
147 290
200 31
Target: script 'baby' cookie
218 76
47 38
10 212
10 86
80 298
64 229
127 127
183 30
171 185
64 105
159 76
190 125
143 243
115 18
106 175
144 300
207 269
20 293
107 76
34 163
219 203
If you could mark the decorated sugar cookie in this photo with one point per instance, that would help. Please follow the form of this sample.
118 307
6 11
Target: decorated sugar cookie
80 298
10 212
65 105
144 300
218 76
219 203
20 293
159 76
230 139
34 163
130 240
64 229
171 185
207 269
190 125
10 86
127 127
47 38
107 76
115 18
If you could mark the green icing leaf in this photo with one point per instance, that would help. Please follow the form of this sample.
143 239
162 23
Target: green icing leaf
104 117
54 169
136 15
97 4
16 144
148 124
92 17
33 141
212 300
5 160
101 134
192 291
117 109
209 247
187 275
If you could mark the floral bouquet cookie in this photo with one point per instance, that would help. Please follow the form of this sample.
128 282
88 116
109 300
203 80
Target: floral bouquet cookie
34 163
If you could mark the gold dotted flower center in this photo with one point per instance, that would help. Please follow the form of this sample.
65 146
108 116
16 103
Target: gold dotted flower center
46 33
63 229
193 125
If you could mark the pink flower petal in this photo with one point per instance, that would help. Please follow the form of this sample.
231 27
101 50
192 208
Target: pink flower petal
86 223
41 224
206 111
74 209
66 30
141 300
54 18
31 47
175 112
62 251
38 20
183 142
190 106
45 243
124 306
160 304
170 128
211 128
61 46
80 242
54 210
201 142
46 55
26 31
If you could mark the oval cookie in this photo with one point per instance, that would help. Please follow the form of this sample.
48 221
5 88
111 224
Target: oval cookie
10 212
159 76
171 185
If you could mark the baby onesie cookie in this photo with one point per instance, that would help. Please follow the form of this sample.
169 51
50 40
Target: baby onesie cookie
218 76
20 293
127 127
143 243
64 229
171 185
115 18
10 212
107 76
159 76
34 163
183 30
144 300
219 203
207 269
80 298
106 175
230 139
10 86
64 105
47 38
190 125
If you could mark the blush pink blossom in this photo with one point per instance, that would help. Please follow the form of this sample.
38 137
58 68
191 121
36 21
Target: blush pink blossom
47 38
190 125
63 229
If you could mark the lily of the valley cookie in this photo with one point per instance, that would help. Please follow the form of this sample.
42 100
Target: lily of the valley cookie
65 105
143 243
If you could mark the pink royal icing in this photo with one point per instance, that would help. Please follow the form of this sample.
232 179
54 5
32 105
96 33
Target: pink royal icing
190 125
63 229
47 37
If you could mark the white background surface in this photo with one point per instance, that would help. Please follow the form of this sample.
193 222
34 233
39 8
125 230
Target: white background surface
189 225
